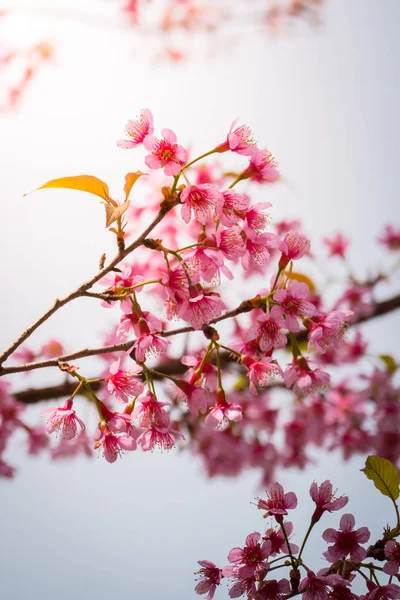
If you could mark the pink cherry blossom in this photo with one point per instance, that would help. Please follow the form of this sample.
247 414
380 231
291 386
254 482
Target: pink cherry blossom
346 540
294 305
277 503
324 498
277 539
223 412
158 436
210 577
63 420
239 140
299 375
202 200
337 245
234 206
294 246
138 129
253 555
165 153
38 440
268 330
201 307
149 345
262 167
328 330
255 218
382 592
316 586
260 372
151 412
392 552
113 444
229 242
195 396
124 383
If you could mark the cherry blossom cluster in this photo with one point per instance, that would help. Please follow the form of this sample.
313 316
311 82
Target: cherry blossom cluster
352 566
198 274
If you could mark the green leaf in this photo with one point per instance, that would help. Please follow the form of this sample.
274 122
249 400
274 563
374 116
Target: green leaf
384 475
390 362
130 180
83 183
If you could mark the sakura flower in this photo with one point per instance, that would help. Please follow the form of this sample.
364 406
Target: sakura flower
195 396
327 330
325 500
277 539
229 242
158 436
255 218
234 204
273 590
176 284
202 200
210 577
165 153
260 372
51 349
277 503
390 238
316 586
206 263
223 412
337 245
294 305
253 555
243 584
138 129
392 552
239 140
201 307
68 448
262 167
346 540
124 383
294 246
151 412
302 378
382 592
63 420
113 444
149 345
257 247
268 330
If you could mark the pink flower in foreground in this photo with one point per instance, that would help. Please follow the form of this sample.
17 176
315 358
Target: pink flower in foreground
278 503
346 540
299 375
195 396
324 498
294 305
202 200
382 592
253 555
260 372
233 206
124 383
239 140
327 330
63 420
277 539
149 345
316 586
165 153
294 246
337 245
138 129
201 307
268 330
223 412
392 551
113 444
210 577
262 167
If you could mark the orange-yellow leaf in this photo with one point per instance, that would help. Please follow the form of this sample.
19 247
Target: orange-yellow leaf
384 475
113 213
83 183
130 180
301 278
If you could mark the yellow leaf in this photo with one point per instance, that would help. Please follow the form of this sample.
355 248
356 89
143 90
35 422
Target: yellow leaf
130 180
384 475
113 213
303 279
83 183
389 362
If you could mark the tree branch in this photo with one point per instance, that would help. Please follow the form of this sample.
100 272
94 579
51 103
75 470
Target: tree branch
171 367
165 207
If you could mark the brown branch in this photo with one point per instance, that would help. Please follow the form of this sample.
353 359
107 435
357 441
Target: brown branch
165 207
171 367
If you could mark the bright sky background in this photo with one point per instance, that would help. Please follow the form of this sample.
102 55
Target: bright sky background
326 102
